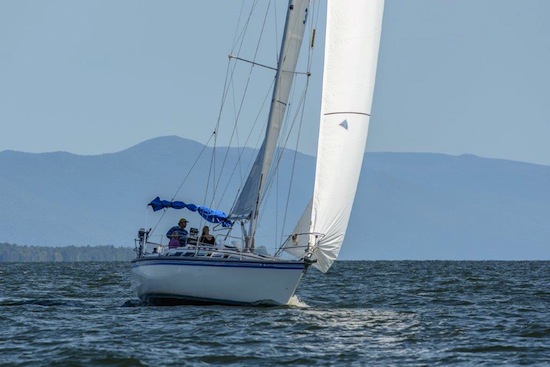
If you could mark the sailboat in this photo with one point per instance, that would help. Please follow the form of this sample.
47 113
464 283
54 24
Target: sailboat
239 272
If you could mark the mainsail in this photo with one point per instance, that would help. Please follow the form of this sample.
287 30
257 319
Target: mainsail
247 203
351 53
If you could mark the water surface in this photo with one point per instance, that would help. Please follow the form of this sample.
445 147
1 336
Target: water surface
360 313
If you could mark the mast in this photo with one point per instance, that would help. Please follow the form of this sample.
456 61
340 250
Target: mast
247 204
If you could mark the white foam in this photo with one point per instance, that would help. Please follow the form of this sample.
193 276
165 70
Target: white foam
294 301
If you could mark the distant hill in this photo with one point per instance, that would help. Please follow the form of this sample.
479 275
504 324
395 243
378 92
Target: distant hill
408 205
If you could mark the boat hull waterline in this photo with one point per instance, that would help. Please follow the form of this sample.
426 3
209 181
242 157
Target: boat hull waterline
161 280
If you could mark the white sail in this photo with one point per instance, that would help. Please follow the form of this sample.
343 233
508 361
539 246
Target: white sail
298 243
351 54
253 190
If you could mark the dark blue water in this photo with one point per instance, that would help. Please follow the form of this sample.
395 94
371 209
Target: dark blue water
361 313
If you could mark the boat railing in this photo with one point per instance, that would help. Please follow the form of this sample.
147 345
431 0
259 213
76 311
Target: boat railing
147 247
232 242
297 242
205 251
145 243
225 247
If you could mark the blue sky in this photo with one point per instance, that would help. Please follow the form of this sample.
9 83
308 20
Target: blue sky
91 77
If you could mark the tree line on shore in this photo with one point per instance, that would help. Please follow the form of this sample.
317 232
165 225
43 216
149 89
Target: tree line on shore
16 253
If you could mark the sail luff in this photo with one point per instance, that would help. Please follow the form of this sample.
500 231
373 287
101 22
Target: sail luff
253 190
351 52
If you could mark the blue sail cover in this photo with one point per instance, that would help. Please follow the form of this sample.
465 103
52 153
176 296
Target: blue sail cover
211 215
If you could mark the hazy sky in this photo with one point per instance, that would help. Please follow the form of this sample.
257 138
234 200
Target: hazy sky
90 77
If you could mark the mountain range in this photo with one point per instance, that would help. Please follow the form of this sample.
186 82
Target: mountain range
408 205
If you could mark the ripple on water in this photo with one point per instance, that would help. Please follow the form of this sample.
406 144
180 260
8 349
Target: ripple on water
360 313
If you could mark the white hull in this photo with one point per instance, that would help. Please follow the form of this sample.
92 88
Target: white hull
165 280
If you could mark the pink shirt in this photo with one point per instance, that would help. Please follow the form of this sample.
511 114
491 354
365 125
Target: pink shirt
174 242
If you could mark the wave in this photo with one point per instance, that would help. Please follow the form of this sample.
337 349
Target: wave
7 302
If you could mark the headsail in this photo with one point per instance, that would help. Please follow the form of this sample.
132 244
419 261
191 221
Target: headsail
254 188
351 53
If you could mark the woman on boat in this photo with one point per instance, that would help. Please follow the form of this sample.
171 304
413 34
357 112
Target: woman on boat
206 237
174 241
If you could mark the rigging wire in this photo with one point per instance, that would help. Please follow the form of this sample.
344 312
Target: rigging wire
183 181
238 163
294 164
301 110
313 26
214 179
240 108
275 168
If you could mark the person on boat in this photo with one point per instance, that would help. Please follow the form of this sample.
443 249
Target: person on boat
180 231
206 237
174 241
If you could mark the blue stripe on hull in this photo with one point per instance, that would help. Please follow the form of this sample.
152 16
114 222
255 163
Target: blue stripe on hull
222 264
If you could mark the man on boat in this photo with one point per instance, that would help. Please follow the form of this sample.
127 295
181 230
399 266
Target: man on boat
180 230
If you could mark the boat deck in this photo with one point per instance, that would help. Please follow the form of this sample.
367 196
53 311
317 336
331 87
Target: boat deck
207 252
